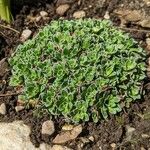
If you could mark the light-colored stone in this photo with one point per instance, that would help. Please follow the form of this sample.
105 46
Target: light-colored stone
149 63
147 2
129 16
84 140
44 146
148 41
15 136
142 148
145 136
59 147
79 14
107 16
67 127
91 138
129 132
43 13
64 137
62 9
113 145
38 18
145 23
19 108
148 46
3 109
134 16
3 67
25 35
79 2
48 127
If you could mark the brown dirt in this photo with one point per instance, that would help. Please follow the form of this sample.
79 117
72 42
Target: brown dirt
106 132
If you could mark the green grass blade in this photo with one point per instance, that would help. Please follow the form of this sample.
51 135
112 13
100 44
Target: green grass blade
5 13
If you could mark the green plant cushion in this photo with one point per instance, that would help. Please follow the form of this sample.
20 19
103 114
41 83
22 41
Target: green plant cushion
79 69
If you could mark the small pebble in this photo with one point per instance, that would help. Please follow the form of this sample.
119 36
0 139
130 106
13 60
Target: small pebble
62 9
25 35
79 14
84 140
106 16
79 2
145 136
113 145
148 41
142 148
48 127
43 13
3 109
129 132
147 2
91 138
37 19
19 108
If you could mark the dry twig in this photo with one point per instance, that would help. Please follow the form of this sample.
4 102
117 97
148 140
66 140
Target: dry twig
3 26
131 29
8 94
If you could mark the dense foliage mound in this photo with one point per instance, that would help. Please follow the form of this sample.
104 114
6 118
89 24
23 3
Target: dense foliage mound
79 69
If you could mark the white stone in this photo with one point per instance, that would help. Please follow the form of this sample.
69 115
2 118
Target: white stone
145 136
106 16
25 34
44 146
3 109
62 9
43 13
147 2
113 145
19 108
91 138
15 136
48 127
79 14
148 41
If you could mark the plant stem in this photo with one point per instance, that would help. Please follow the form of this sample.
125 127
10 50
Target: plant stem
5 13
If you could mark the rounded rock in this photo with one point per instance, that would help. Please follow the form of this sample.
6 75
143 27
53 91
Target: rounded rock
148 41
62 9
91 138
19 108
107 16
48 127
43 14
37 19
79 14
3 109
113 145
25 34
